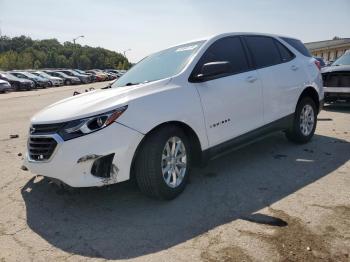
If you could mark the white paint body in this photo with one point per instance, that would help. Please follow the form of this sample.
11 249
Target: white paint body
249 105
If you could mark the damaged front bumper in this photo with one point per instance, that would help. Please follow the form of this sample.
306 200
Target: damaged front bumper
100 158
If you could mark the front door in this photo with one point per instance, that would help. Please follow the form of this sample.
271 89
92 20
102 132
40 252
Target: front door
232 104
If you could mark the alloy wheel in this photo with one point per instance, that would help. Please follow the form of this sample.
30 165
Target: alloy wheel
307 120
174 162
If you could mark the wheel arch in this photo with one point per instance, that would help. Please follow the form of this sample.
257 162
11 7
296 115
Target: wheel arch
196 147
313 94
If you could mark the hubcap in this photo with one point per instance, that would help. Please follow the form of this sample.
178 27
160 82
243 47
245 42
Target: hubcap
307 120
174 162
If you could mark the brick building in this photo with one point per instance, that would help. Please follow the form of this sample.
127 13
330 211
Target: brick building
329 50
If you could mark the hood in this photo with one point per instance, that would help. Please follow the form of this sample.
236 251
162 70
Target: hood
339 68
42 79
96 102
55 78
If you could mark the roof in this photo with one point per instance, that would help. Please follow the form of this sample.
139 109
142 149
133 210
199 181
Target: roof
327 43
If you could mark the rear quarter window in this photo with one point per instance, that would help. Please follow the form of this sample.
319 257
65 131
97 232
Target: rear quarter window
298 45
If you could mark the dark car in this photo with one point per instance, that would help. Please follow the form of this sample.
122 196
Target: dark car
85 79
91 77
17 83
39 81
68 80
336 79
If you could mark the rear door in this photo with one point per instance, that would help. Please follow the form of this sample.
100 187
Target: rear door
232 104
281 75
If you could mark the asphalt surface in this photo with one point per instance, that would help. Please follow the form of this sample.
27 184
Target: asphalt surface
269 201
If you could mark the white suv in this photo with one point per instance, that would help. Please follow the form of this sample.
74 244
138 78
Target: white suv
178 108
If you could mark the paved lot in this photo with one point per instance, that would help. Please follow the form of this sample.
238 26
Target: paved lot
270 201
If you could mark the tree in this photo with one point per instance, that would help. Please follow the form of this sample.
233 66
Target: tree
24 53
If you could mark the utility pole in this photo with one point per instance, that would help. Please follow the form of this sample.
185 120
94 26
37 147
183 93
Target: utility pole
75 47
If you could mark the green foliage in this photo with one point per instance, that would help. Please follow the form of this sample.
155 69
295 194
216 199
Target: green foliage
24 53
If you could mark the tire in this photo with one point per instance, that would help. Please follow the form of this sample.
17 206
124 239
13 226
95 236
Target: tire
149 163
301 130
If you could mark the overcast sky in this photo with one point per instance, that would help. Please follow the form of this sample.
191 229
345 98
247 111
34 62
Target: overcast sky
148 26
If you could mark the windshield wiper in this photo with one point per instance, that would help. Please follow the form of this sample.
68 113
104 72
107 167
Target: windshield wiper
131 84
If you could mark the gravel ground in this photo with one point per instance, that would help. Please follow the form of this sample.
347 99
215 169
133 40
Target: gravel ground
270 201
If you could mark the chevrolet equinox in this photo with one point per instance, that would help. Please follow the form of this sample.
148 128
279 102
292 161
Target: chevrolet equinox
178 108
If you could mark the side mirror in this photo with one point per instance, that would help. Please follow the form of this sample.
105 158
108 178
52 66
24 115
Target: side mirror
211 70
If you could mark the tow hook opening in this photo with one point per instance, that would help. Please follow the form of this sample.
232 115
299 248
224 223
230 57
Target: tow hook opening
103 166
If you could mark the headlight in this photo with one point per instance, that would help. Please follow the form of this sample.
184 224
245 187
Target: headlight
81 127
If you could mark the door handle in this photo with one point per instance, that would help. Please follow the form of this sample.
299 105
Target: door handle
251 79
294 67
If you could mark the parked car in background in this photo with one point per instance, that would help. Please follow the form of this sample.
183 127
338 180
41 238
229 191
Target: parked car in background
336 79
38 80
321 61
114 71
92 78
4 86
17 83
68 80
98 76
177 108
85 79
55 81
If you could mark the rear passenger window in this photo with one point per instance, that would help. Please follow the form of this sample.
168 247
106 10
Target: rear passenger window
264 51
286 54
226 49
298 45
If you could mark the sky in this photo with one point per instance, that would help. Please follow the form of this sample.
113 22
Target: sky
148 26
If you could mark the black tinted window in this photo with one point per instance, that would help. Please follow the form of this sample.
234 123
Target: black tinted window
226 49
286 54
264 50
298 45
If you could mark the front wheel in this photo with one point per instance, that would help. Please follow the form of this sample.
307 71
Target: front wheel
162 165
304 123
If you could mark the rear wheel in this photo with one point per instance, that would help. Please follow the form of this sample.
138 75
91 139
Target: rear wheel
304 123
163 163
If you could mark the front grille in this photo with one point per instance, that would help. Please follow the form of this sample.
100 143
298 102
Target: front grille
45 129
41 148
336 79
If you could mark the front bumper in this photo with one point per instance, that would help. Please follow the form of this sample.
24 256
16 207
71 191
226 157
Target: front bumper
336 93
42 84
73 160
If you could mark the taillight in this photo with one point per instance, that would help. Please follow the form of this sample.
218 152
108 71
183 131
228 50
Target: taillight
318 64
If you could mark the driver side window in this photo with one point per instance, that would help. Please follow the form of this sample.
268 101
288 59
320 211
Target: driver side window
228 49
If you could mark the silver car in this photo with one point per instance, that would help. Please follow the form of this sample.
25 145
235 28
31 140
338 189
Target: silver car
4 86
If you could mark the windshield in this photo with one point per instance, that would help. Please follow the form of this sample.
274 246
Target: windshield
160 65
28 74
9 76
62 74
43 74
343 60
